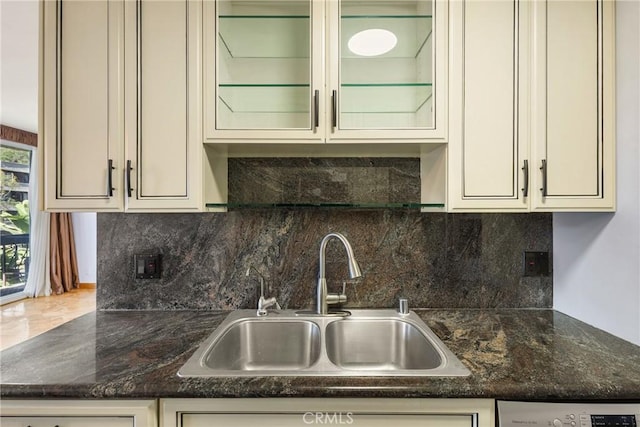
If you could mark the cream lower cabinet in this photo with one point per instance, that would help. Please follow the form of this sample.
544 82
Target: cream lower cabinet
119 105
532 106
284 412
65 413
67 421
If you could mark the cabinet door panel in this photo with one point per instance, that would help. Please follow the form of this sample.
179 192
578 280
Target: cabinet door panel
263 70
82 124
162 137
394 95
84 99
162 111
332 418
67 421
573 145
574 105
78 413
489 127
490 143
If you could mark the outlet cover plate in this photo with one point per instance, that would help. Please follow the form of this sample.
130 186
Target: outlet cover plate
148 266
535 263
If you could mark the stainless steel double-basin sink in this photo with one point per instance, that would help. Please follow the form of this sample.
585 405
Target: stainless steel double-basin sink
294 343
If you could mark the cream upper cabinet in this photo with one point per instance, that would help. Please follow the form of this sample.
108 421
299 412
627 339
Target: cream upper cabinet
573 92
263 69
322 71
532 106
489 132
162 107
81 104
120 97
387 70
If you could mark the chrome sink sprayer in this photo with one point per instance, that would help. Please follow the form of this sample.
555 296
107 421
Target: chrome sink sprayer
323 297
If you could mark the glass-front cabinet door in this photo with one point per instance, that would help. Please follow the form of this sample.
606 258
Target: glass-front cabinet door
325 70
263 76
387 69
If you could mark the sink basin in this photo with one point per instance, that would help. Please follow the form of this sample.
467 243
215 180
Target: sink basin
380 344
289 343
254 345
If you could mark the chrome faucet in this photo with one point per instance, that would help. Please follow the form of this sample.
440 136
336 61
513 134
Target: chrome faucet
263 303
323 297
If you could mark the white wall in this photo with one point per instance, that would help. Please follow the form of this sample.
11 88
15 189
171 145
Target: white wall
19 101
19 64
85 236
597 256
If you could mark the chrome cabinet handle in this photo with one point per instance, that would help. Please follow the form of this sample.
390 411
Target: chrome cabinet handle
525 170
129 169
543 168
110 169
334 109
316 109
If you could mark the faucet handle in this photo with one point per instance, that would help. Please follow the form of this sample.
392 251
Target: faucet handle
265 303
340 298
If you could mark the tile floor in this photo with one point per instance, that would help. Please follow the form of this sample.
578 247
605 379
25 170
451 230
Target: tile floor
29 317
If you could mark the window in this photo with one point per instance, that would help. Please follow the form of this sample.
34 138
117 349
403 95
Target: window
15 168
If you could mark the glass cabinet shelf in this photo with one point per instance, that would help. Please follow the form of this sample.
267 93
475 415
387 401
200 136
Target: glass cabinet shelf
324 183
323 205
387 16
265 98
266 36
355 97
269 36
255 85
384 97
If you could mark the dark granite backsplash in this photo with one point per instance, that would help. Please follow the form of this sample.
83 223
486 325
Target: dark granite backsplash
316 180
436 260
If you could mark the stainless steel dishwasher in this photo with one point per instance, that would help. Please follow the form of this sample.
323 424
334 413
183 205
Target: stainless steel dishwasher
546 414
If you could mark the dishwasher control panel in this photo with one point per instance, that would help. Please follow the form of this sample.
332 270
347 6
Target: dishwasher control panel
547 414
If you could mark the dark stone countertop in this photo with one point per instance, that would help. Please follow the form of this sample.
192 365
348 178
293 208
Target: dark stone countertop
512 354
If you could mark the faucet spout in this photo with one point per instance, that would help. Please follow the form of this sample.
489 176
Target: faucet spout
323 297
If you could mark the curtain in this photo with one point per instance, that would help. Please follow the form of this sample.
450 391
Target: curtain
62 254
38 282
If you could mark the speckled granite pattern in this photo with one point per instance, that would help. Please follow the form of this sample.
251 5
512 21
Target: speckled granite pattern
435 260
512 354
